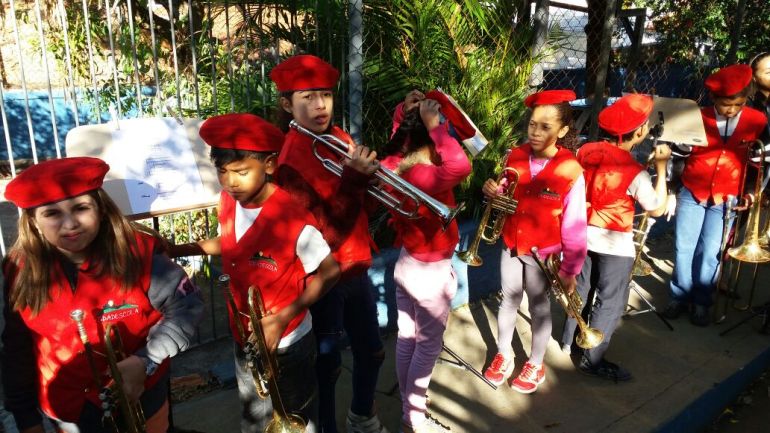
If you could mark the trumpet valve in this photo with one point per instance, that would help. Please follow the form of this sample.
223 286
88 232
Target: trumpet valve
504 204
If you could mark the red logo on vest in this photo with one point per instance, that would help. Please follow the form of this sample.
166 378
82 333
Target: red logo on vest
112 312
263 261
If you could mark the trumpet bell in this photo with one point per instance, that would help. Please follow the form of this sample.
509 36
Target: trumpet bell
589 339
750 252
471 258
292 423
641 268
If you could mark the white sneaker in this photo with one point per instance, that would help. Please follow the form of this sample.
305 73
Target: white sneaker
566 349
362 424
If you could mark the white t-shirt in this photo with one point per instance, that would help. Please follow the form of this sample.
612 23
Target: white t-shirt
311 249
604 241
722 122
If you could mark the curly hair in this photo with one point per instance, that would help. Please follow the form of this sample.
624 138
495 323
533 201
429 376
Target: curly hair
410 136
566 117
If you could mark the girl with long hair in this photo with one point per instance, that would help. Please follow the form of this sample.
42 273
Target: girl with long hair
423 152
76 251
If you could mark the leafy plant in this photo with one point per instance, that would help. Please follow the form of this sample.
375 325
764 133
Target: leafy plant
694 30
468 48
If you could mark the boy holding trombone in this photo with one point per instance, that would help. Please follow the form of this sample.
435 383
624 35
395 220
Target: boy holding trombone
711 174
615 182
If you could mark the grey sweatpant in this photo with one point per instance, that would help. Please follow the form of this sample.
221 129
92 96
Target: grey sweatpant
517 275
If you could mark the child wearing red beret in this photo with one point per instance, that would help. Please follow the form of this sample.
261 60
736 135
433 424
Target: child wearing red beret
551 216
422 151
711 174
306 85
269 241
76 252
615 182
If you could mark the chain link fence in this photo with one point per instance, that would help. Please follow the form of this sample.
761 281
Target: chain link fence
70 63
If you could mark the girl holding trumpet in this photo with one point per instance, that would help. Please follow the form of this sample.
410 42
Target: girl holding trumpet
422 151
77 253
551 216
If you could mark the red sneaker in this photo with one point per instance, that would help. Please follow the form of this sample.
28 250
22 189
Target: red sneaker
499 370
530 377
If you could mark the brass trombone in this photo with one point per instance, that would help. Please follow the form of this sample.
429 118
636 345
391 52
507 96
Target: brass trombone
728 216
641 268
261 362
129 418
587 338
386 177
502 205
752 250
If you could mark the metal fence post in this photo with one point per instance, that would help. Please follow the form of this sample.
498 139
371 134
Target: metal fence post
602 68
541 37
735 33
355 69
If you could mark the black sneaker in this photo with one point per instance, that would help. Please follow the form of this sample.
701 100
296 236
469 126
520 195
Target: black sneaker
604 370
674 309
700 316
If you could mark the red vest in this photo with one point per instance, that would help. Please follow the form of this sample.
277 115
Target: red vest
609 171
65 378
425 234
537 220
266 255
716 170
297 153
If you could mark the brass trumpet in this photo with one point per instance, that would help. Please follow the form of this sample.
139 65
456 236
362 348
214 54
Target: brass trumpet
588 338
502 205
130 417
247 340
261 362
386 177
282 422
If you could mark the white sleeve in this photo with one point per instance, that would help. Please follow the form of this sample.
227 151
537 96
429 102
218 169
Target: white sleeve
311 248
643 191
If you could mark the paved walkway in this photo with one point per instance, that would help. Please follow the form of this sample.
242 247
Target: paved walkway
682 379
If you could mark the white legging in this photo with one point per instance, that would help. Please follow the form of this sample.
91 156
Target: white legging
518 274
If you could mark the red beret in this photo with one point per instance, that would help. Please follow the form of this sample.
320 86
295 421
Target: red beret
460 123
56 180
304 72
549 97
729 80
241 131
626 114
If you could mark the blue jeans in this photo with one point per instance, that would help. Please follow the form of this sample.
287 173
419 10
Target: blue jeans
699 228
349 305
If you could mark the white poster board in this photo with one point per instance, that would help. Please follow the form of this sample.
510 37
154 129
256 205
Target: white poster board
682 121
157 165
